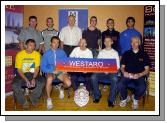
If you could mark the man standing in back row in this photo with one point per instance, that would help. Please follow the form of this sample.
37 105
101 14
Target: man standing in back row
93 36
70 36
49 32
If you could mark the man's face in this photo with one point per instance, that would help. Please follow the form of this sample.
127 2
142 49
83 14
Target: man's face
49 23
33 23
110 24
93 22
55 44
82 43
71 21
31 46
135 43
130 23
108 42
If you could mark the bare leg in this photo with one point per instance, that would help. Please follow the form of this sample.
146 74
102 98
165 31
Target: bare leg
50 78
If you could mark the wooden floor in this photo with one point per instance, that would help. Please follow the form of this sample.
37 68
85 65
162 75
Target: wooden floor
68 104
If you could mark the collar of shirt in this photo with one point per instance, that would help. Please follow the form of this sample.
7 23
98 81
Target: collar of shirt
50 29
31 28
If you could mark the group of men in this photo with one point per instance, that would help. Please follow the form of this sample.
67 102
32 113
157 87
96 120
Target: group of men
71 41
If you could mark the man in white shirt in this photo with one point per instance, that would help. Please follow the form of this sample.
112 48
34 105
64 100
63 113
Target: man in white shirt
107 53
81 52
70 35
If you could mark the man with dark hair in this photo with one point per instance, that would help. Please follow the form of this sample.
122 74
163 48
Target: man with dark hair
134 66
113 34
31 33
49 32
27 64
93 36
48 66
126 35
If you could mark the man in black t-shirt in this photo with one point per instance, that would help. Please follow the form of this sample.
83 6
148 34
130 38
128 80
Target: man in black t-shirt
134 67
93 36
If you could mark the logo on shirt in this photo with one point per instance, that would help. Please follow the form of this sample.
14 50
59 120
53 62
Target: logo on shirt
141 59
125 34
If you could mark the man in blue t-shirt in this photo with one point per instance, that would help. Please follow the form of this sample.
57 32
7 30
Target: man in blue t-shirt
126 35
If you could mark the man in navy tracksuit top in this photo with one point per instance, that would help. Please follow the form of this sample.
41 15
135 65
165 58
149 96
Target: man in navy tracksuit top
48 66
113 34
126 35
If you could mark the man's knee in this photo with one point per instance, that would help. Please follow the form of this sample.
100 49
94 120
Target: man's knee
49 79
67 82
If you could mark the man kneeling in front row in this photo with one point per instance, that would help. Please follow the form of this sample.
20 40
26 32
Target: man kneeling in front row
134 67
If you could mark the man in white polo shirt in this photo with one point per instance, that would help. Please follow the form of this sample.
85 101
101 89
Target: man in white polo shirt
81 52
107 53
70 35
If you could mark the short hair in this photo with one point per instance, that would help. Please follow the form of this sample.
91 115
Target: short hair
32 17
54 37
110 19
30 40
130 18
71 16
93 17
108 36
49 18
84 39
136 37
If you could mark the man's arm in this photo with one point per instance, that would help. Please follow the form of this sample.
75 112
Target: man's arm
61 44
23 77
33 82
145 72
125 74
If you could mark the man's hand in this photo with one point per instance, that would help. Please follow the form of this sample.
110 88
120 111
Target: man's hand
55 72
28 84
126 74
33 83
136 76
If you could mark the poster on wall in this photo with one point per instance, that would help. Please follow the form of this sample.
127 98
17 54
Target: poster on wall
149 42
13 25
81 17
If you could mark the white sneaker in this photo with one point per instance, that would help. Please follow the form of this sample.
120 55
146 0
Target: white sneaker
49 103
123 103
135 104
61 93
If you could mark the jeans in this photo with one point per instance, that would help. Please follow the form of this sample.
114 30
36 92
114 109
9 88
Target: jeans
75 83
139 87
94 52
95 85
18 82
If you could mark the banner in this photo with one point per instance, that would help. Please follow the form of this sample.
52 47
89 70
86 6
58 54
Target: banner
13 25
149 43
87 65
81 17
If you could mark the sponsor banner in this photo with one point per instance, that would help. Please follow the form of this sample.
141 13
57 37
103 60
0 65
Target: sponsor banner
87 65
149 43
13 25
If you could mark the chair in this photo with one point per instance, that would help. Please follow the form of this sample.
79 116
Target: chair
146 93
24 88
